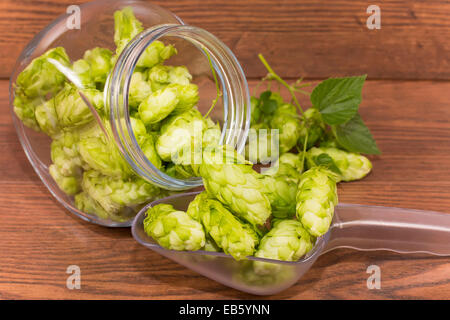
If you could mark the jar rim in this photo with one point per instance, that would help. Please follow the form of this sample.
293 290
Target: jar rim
236 98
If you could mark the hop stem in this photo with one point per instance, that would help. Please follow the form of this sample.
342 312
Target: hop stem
273 75
218 92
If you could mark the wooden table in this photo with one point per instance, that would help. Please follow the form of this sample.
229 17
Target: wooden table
406 103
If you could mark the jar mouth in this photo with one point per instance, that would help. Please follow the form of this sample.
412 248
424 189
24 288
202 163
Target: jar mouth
235 97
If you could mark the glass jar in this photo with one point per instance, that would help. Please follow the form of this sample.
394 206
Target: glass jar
201 52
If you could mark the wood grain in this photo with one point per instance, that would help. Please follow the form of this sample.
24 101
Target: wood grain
39 239
319 38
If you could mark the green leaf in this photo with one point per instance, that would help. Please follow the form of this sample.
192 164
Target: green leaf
269 106
338 99
354 136
325 160
265 95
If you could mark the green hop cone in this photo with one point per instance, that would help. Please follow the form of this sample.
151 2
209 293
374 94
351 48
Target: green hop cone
189 157
179 132
69 184
195 206
139 90
85 203
99 60
187 160
126 27
316 198
41 77
71 109
288 166
113 194
25 108
212 134
187 96
160 76
103 156
286 241
280 184
155 54
211 246
351 166
173 171
64 154
147 144
281 193
262 146
312 126
173 229
179 75
286 120
228 232
158 105
82 69
138 127
230 179
245 273
289 162
47 119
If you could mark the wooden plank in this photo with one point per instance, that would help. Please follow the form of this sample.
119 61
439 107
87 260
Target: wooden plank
314 39
39 239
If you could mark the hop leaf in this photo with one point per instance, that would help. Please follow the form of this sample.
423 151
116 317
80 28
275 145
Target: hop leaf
338 99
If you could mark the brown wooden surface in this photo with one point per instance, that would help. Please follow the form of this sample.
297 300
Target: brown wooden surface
318 38
39 239
409 119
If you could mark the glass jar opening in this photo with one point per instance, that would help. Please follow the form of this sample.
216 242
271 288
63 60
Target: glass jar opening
235 97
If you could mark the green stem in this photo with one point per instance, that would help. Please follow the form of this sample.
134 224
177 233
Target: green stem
304 151
281 81
219 93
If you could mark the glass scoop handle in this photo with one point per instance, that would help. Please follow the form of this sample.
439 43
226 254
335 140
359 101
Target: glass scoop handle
384 228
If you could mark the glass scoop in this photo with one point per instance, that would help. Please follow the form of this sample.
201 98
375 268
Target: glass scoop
354 226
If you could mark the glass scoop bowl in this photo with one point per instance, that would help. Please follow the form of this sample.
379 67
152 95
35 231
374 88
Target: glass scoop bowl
354 226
